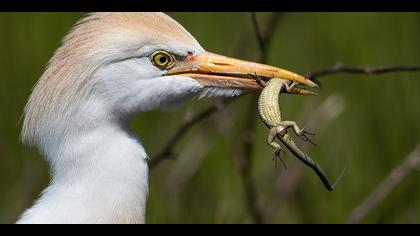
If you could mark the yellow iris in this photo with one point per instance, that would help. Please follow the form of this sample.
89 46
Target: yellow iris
162 59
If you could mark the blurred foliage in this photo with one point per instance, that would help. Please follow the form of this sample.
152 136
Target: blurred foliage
378 127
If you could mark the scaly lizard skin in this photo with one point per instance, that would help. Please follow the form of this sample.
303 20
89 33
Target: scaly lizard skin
269 110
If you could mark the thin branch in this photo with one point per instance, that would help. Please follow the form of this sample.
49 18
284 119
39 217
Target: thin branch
245 164
167 151
253 201
267 35
340 68
259 36
264 38
410 164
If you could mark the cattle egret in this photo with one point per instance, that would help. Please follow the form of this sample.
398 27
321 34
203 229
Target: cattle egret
109 68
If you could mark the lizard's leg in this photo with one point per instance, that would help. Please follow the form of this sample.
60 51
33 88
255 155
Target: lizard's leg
289 87
277 148
302 133
258 80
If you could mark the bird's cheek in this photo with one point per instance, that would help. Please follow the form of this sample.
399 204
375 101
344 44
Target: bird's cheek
158 93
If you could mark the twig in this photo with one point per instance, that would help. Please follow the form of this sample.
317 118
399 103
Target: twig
167 151
245 164
257 31
340 68
411 163
184 169
253 202
264 38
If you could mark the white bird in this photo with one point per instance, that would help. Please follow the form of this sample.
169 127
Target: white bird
109 68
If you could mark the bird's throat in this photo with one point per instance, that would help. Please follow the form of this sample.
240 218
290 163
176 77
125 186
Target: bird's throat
101 176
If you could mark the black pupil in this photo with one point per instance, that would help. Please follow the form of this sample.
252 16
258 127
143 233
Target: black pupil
162 59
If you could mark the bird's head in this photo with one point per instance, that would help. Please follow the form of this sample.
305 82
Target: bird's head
114 65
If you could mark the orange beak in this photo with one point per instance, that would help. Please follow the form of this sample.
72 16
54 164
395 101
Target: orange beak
214 70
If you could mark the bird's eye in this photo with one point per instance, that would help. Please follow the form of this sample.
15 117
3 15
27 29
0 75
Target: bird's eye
162 59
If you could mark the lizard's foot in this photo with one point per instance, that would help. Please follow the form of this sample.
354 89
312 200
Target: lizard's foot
306 131
277 148
303 135
278 130
276 156
289 87
258 80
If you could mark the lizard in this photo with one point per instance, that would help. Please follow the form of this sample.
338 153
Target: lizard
269 111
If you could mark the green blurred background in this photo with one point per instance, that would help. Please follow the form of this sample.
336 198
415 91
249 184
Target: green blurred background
371 123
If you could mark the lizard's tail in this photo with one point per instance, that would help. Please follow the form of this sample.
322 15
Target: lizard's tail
290 144
338 178
323 177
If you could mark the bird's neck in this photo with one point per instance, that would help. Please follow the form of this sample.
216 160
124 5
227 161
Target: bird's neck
99 175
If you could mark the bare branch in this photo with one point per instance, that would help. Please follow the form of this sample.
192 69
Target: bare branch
340 68
264 38
167 151
253 202
257 31
245 164
410 164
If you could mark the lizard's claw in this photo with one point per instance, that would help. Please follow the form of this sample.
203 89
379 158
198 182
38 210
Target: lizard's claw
258 80
303 133
276 155
306 131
